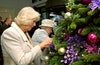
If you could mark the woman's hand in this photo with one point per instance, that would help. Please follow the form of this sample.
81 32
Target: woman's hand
46 43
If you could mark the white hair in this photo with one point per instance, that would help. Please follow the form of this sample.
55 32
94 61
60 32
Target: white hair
26 16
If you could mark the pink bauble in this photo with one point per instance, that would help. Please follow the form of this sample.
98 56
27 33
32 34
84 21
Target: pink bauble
93 38
86 1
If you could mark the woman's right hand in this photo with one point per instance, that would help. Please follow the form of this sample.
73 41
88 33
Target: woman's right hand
46 43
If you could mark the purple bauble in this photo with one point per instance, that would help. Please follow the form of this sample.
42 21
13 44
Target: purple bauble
86 1
92 37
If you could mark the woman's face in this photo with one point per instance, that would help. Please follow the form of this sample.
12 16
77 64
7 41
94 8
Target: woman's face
30 26
49 30
9 21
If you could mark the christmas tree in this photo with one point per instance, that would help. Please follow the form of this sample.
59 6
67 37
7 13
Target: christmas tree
76 39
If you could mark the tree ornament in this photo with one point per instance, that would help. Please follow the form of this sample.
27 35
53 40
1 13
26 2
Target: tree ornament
66 36
52 47
86 1
61 51
73 26
68 14
92 37
46 58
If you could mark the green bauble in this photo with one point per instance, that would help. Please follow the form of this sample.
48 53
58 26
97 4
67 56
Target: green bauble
61 51
73 26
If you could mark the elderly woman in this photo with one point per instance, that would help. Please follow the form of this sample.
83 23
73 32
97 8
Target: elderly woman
17 46
39 36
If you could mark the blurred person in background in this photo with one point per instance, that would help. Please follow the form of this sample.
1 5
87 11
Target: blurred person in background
1 57
6 24
1 20
0 24
39 36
